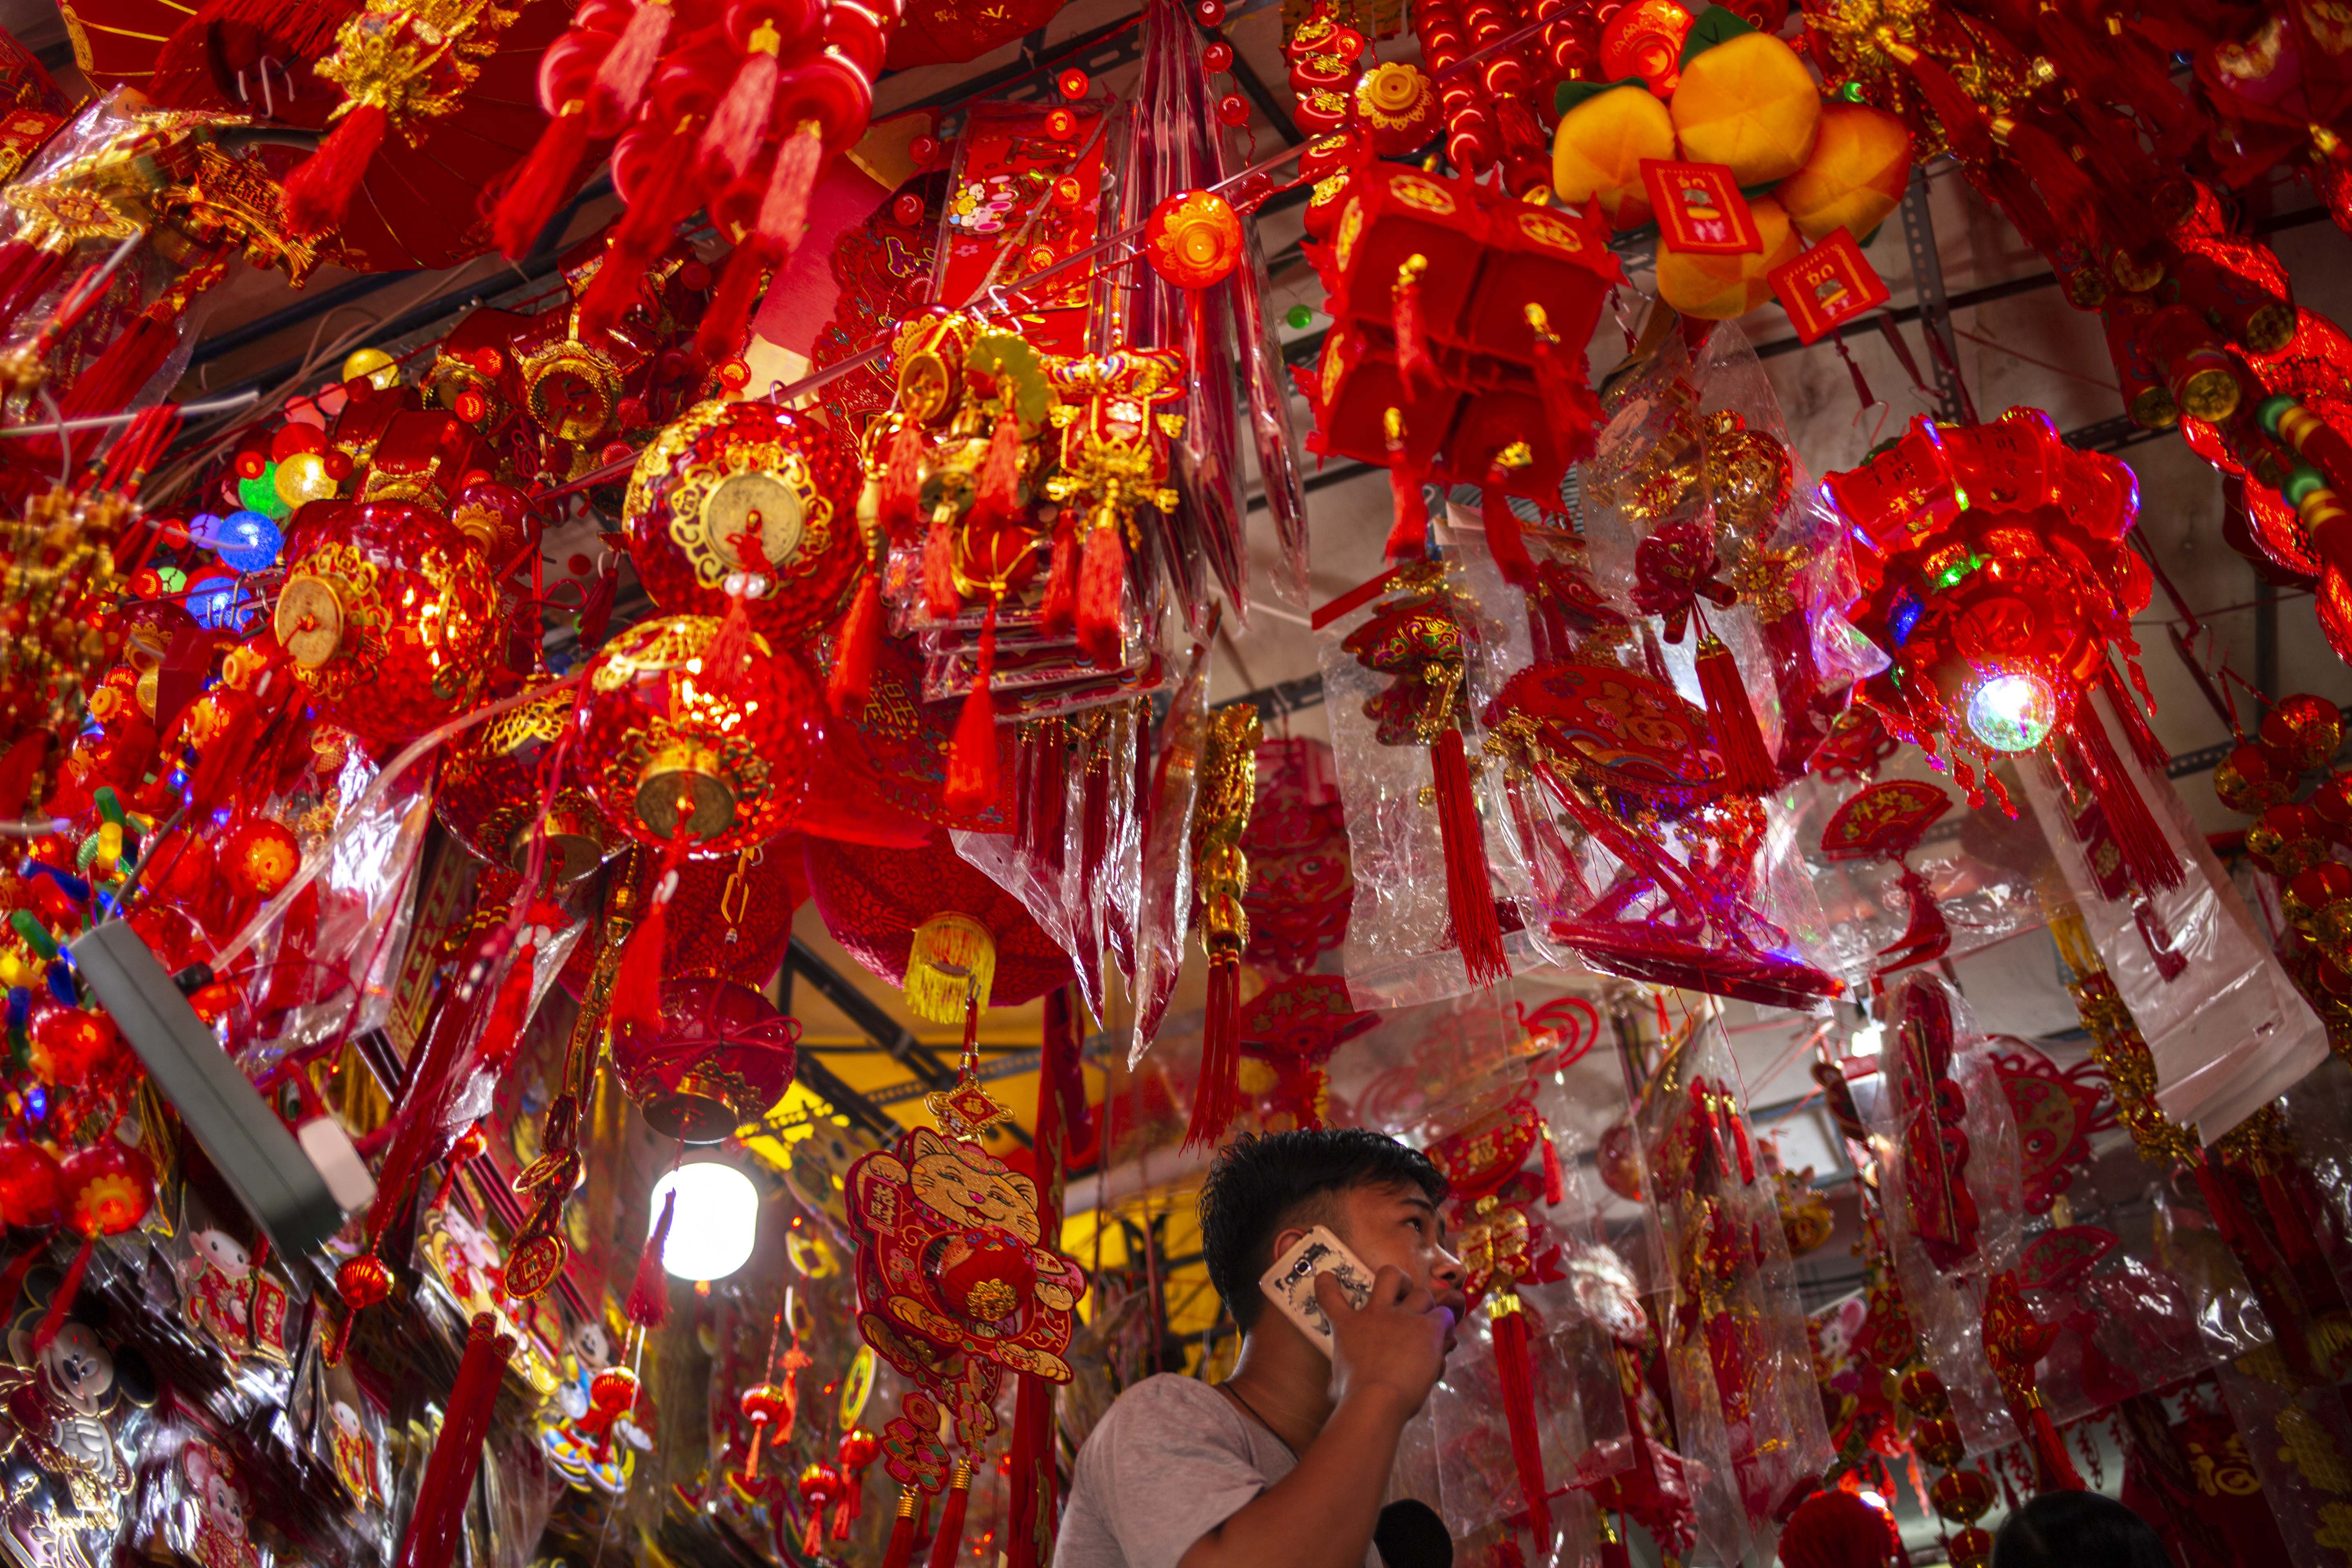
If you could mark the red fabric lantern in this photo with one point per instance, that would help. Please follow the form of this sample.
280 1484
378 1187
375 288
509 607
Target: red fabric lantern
926 920
722 1057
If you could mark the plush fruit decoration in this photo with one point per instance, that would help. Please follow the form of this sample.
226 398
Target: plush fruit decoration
1719 287
1748 103
1597 151
1853 177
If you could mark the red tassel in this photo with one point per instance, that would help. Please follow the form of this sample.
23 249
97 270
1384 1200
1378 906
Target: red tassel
901 501
783 211
1925 938
972 766
649 1291
731 141
2147 854
813 1535
30 273
902 1533
1517 1373
2065 188
637 980
437 1521
1746 765
734 645
1469 895
1555 1181
727 324
1413 363
2053 1468
947 1545
1058 612
539 183
1102 592
940 598
855 646
1747 1150
317 195
2286 1218
1503 540
1962 121
997 499
2144 743
61 1304
1569 408
621 82
1217 1094
511 1011
1409 509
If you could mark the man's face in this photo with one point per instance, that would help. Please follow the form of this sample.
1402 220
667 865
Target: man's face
1399 1228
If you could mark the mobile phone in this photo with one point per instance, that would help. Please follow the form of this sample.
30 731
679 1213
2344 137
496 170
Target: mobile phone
1291 1283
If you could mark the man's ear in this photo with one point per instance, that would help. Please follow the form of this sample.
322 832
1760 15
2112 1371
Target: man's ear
1285 1239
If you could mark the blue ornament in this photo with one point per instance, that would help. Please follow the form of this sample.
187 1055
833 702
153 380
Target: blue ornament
249 542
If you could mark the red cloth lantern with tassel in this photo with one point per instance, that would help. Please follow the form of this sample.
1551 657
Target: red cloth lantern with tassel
1995 572
721 1056
104 1190
489 794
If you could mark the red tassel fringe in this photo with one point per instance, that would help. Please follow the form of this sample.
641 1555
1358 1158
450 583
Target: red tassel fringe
1408 532
2053 1468
901 501
2147 854
1058 612
783 211
637 981
435 1524
539 183
731 141
973 779
947 1545
511 1011
1102 589
621 82
940 596
1469 895
1747 765
1516 1370
649 1291
1962 121
1217 1095
902 1537
1414 367
855 646
61 1304
318 195
996 499
1503 538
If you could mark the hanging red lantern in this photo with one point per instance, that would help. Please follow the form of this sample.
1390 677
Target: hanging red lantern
106 1188
747 499
390 614
489 794
70 1044
675 749
722 1056
1193 240
260 856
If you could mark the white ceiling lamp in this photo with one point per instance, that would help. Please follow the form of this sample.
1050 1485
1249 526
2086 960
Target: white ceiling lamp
718 1220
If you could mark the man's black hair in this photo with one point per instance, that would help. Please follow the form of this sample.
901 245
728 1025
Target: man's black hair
2077 1530
1261 1182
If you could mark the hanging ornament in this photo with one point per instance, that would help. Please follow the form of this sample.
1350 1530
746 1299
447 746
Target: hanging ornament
1885 822
721 1056
494 794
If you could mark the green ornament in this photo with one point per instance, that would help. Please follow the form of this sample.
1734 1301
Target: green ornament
1850 91
1300 316
261 495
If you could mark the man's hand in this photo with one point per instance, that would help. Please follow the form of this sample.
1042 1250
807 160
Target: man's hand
1395 1343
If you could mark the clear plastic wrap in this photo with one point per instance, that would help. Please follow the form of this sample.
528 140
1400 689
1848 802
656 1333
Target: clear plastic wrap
2226 1027
1164 901
1265 380
1738 1357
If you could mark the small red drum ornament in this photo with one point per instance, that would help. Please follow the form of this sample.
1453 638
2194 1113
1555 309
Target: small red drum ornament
391 616
665 753
747 487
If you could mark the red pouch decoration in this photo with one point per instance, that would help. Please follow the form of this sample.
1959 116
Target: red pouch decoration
1824 288
1700 210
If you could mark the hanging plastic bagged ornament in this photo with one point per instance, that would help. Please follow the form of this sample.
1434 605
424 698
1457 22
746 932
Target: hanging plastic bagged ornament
1884 821
1221 872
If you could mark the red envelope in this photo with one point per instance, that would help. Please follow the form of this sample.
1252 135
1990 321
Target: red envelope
1826 286
1700 210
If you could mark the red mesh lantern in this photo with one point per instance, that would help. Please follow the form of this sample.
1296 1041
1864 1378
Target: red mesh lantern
747 487
391 616
668 755
1193 239
926 920
28 1183
489 794
260 857
69 1045
722 1056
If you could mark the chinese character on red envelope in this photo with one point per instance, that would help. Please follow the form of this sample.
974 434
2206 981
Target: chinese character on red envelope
1828 286
1700 210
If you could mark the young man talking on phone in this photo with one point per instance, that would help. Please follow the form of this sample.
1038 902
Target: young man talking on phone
1285 1464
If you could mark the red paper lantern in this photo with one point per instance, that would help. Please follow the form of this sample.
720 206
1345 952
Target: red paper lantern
670 750
489 794
260 857
722 1056
29 1184
391 617
747 487
1193 240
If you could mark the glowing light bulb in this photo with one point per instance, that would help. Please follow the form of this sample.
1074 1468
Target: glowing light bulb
718 1220
2013 712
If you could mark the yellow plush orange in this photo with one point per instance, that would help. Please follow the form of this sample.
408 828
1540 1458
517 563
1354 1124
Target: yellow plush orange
1597 151
1717 288
1860 163
1747 103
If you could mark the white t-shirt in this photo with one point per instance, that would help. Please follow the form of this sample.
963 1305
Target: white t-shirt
1171 1461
